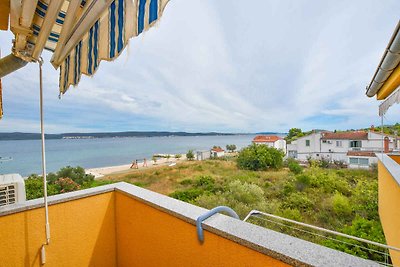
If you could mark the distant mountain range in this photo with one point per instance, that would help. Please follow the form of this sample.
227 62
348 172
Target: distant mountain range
34 136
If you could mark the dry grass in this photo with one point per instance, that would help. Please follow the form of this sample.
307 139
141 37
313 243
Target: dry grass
165 179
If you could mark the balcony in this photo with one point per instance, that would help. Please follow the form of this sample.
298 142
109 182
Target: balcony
389 200
124 225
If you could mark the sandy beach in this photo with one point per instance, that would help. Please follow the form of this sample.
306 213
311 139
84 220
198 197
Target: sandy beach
103 171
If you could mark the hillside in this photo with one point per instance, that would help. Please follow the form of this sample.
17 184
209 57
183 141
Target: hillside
35 136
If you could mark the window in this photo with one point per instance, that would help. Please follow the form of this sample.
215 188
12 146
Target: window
354 161
307 142
355 143
359 161
339 143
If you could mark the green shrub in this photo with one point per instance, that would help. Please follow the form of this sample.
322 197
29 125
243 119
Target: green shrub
187 195
298 200
293 214
190 155
186 182
329 182
140 184
205 182
67 179
241 197
367 229
302 181
294 166
365 199
341 205
34 187
76 174
259 157
288 188
65 185
231 148
198 168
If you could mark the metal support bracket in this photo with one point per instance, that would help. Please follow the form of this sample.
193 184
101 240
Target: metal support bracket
210 213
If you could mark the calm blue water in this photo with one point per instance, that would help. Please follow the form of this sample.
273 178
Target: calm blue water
92 153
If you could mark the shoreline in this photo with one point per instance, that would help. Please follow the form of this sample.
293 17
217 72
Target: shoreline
107 170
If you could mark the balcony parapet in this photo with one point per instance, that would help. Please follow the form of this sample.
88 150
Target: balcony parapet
391 165
288 249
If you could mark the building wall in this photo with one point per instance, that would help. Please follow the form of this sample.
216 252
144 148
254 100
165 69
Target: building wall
173 242
85 239
216 154
389 213
371 160
335 149
202 155
279 144
303 151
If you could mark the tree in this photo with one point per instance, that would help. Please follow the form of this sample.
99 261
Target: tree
231 148
67 179
260 157
76 174
190 155
65 185
178 156
293 134
34 187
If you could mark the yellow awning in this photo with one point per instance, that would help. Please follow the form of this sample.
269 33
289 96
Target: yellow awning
80 33
387 76
390 85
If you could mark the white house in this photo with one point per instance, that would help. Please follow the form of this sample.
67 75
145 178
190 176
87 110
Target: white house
271 141
356 148
217 152
202 155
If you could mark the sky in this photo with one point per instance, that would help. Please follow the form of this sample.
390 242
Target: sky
226 66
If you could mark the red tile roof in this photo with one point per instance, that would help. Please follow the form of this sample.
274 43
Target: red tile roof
358 135
217 149
361 153
266 138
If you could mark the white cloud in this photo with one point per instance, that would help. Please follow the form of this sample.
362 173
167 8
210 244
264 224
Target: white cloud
223 66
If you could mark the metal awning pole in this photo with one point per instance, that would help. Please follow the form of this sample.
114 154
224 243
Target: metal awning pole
46 208
382 133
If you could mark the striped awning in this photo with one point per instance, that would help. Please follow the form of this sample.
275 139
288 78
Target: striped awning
80 33
388 102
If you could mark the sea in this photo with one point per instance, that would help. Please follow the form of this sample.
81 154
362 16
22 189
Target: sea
24 156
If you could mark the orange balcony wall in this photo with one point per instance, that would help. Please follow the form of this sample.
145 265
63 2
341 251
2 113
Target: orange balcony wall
389 200
156 238
123 225
82 234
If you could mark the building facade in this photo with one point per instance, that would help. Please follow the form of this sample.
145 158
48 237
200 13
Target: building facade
356 148
271 141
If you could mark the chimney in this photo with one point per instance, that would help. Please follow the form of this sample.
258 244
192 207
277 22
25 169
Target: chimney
386 145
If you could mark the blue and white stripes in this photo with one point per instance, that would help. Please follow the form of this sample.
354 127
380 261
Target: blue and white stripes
116 27
93 49
107 38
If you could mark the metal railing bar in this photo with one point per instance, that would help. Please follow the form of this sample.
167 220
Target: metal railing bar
210 213
327 237
257 212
